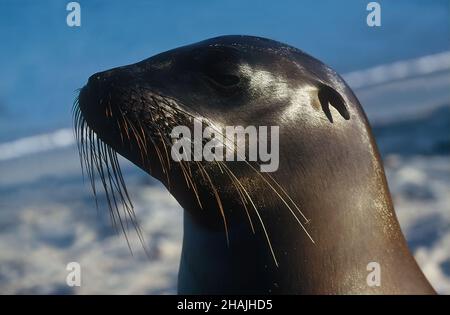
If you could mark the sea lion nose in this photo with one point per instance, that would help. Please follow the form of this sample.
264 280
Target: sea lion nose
99 82
107 79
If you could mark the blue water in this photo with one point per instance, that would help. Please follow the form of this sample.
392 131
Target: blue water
43 61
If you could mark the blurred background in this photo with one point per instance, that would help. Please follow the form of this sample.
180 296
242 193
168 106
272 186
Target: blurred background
399 71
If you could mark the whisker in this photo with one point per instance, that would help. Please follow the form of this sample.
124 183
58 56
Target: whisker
219 201
241 196
257 213
256 171
99 159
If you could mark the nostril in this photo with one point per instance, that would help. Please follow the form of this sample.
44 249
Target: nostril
95 80
108 77
100 81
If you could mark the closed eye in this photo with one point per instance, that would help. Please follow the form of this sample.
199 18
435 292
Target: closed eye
226 80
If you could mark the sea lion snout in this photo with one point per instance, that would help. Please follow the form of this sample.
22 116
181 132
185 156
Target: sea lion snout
103 92
105 82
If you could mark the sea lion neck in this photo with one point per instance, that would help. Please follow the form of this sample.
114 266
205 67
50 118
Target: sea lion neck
335 264
351 230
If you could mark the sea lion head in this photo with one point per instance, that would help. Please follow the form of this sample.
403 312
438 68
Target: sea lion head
328 173
225 81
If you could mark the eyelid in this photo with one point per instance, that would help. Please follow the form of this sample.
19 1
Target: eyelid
225 80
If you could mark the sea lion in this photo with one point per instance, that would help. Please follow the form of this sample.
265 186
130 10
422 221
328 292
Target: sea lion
311 227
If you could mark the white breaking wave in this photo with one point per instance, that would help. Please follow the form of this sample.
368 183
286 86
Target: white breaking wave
399 70
358 79
44 142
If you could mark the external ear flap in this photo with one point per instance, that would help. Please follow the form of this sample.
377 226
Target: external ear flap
329 96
